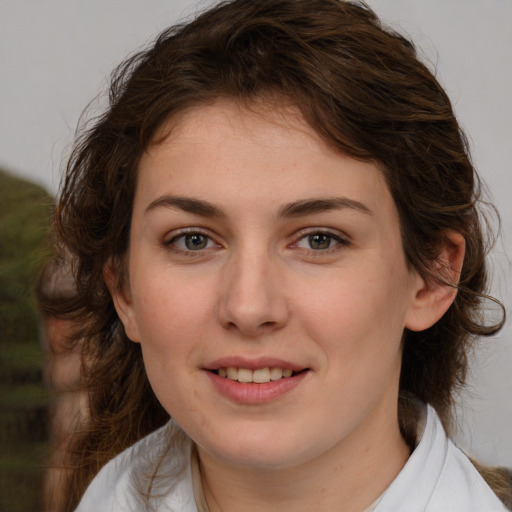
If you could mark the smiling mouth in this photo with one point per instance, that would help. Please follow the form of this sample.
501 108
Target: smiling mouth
257 376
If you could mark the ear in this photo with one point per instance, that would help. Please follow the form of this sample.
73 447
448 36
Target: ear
432 297
119 287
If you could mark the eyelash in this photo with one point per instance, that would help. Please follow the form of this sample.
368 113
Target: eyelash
339 240
172 243
306 234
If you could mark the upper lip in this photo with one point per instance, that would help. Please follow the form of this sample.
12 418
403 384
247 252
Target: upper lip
252 364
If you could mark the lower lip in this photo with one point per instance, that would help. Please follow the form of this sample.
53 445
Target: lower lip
252 393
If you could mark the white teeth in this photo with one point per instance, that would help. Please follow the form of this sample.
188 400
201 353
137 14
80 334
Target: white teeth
258 376
276 373
244 375
261 375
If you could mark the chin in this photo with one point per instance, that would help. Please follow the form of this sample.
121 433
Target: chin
271 451
258 460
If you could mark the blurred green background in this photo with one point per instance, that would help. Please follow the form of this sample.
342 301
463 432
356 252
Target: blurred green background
25 211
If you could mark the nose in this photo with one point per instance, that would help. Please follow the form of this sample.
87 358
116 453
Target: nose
251 298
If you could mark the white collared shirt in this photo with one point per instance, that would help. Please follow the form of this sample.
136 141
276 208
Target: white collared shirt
438 477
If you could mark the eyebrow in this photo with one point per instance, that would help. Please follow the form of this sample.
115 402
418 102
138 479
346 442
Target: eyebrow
295 209
312 206
187 204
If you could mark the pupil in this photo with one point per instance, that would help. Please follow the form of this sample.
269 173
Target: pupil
195 242
319 241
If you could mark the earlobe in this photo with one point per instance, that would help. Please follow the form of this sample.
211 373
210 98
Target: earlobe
121 295
433 295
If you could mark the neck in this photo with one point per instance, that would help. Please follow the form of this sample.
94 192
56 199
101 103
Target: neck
351 475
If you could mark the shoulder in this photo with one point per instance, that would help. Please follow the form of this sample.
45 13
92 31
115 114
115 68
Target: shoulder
438 477
155 471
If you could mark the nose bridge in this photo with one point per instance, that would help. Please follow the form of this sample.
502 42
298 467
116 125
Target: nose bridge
252 299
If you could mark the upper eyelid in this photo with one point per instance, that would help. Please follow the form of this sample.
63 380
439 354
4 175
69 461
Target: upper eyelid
172 242
296 236
343 241
176 233
336 233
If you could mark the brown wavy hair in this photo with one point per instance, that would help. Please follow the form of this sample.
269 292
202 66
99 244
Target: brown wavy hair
362 88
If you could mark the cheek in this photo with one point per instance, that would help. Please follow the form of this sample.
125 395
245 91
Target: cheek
170 308
173 322
358 317
173 319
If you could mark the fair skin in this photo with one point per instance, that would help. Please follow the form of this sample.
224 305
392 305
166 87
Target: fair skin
256 247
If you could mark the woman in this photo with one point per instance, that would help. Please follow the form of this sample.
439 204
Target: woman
277 244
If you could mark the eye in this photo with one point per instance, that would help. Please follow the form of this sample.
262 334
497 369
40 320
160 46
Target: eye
191 242
320 241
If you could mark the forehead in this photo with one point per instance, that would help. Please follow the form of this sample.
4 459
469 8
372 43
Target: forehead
244 119
224 146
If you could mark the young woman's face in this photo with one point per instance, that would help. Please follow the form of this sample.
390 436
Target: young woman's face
257 252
